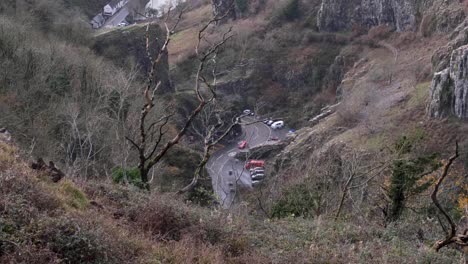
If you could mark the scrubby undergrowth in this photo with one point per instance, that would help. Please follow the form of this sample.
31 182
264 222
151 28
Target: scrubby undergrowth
98 222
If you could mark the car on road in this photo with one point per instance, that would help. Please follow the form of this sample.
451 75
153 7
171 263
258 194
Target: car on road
242 144
267 120
258 177
255 163
248 112
123 24
257 170
273 138
256 183
277 125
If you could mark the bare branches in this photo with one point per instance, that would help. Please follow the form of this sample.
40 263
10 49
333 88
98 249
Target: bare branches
452 234
154 133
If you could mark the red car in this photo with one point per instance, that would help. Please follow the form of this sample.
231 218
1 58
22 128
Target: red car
255 164
242 144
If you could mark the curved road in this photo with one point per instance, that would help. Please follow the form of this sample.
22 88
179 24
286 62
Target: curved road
222 161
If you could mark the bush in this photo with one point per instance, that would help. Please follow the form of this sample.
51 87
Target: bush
72 243
298 201
287 13
126 175
162 220
407 176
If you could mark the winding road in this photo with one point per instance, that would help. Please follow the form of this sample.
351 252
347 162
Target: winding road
225 184
118 17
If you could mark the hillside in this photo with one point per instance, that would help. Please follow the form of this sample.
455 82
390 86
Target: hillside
147 137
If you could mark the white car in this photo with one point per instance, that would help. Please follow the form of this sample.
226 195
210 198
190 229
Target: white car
258 176
255 183
248 112
257 170
270 122
277 125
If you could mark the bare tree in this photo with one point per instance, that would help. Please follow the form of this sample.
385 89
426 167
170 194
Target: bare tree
453 236
150 145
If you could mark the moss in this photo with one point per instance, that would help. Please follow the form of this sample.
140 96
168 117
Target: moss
72 196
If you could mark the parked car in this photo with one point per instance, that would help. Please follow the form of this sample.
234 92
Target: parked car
255 164
123 24
258 177
256 183
248 112
277 125
257 170
242 144
270 122
273 138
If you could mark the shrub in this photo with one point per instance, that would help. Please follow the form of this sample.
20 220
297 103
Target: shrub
379 32
242 5
407 176
289 12
126 175
162 220
300 200
71 242
73 196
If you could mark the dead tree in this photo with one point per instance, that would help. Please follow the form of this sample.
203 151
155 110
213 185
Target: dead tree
459 239
151 145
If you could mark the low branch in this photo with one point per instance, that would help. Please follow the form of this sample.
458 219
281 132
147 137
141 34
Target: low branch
450 238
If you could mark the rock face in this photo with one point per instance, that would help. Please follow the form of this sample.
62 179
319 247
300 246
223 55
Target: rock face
428 16
338 15
449 88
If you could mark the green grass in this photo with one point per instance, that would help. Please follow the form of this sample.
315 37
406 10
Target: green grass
73 196
420 94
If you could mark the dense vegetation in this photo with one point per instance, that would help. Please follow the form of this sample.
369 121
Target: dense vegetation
354 188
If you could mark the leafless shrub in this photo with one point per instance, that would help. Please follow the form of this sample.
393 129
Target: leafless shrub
379 32
405 38
161 220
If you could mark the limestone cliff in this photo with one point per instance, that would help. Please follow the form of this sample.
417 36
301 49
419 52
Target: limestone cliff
400 15
449 88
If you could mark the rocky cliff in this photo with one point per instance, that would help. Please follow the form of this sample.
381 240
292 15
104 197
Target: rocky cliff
449 88
400 15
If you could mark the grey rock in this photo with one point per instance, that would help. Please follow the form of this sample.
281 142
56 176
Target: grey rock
338 15
440 94
400 15
449 88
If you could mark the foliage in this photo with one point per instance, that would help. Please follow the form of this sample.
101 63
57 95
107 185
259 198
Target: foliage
72 195
126 175
242 5
407 175
202 196
289 12
73 243
298 201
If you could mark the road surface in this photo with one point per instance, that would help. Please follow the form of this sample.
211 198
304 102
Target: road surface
118 17
222 161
